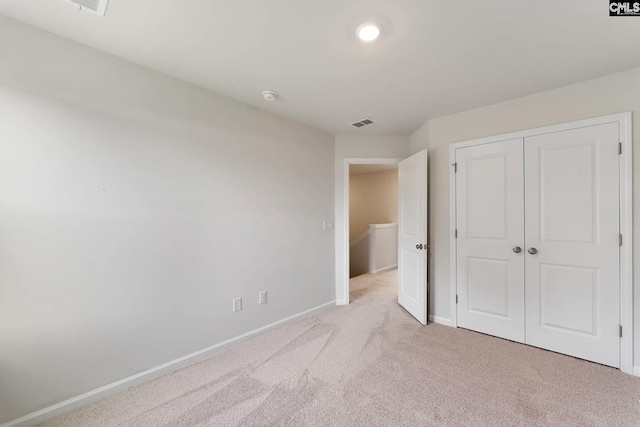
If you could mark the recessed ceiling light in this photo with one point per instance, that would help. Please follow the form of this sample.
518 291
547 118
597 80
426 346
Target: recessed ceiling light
369 31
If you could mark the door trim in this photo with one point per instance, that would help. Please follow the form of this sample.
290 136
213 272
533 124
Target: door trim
342 223
624 121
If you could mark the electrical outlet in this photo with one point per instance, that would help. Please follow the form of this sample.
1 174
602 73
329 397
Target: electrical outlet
262 297
237 304
327 225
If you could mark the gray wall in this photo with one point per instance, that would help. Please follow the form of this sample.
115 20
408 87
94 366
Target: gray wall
133 208
612 94
360 256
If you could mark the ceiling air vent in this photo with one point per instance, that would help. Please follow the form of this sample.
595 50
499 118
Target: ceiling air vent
363 123
99 7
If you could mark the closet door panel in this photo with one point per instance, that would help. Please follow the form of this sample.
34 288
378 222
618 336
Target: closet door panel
572 229
490 224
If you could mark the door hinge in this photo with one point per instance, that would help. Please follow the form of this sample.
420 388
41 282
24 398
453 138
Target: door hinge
620 148
620 239
456 298
456 233
455 168
620 331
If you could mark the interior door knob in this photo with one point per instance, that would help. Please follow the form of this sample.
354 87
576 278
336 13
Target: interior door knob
419 246
517 249
533 251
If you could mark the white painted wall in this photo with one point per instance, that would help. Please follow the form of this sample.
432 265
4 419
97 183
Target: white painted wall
356 146
419 140
133 208
615 93
385 246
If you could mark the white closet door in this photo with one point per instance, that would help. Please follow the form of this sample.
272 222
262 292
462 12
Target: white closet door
572 282
490 224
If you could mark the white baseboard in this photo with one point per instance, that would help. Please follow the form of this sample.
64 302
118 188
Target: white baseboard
438 320
380 270
144 376
636 371
338 302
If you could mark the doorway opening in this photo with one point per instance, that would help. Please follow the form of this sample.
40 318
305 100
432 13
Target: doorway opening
373 229
412 231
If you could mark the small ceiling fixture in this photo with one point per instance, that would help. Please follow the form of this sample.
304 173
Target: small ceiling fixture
363 123
270 95
369 31
99 7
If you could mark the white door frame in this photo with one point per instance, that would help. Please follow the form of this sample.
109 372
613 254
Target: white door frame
626 218
342 232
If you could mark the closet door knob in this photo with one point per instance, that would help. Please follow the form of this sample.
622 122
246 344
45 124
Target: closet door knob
517 249
419 246
533 251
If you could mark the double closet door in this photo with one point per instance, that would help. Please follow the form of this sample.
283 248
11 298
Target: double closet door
538 241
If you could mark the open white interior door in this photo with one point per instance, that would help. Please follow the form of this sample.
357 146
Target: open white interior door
412 235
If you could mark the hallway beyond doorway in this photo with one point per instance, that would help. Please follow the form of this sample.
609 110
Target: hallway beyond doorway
369 287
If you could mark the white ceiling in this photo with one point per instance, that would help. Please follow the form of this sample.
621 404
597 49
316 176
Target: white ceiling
362 169
435 57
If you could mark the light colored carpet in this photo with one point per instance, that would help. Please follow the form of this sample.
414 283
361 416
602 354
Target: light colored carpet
372 364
